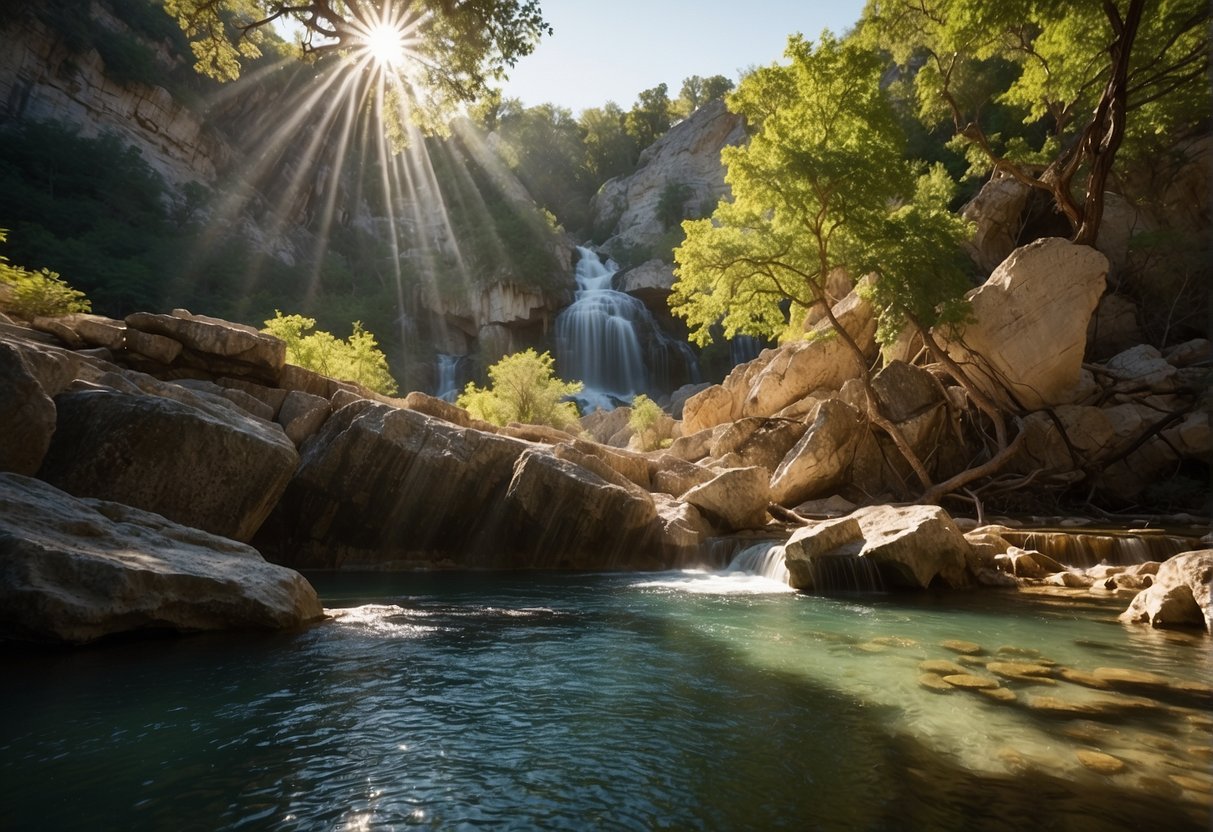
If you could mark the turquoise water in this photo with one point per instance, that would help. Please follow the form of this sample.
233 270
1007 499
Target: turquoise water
673 701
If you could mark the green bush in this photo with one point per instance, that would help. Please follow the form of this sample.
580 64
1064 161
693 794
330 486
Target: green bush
524 389
357 359
643 421
42 293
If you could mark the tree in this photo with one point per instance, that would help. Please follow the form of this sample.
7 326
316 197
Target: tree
697 91
452 49
609 150
822 185
649 118
1083 68
524 389
357 359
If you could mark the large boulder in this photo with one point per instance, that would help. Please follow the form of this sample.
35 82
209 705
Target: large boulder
816 464
557 514
27 415
1181 595
735 499
1025 344
196 462
901 547
75 570
780 378
997 217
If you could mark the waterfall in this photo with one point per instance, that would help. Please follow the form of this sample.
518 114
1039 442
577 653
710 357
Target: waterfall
448 387
610 342
763 559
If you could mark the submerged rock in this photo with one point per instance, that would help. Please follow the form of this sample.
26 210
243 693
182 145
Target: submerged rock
75 570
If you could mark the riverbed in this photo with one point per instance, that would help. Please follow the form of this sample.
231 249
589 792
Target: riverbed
685 700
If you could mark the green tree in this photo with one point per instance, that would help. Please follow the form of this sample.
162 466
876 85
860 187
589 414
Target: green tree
34 294
643 421
807 199
1097 74
610 150
453 50
357 359
697 91
649 118
524 389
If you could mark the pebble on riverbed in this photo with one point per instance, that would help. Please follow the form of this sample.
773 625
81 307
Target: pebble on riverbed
969 681
1099 762
968 648
934 682
941 666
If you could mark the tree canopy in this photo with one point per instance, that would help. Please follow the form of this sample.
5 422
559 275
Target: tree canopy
823 184
524 388
453 48
1080 68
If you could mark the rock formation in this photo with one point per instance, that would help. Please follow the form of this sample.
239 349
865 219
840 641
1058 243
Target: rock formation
689 156
76 570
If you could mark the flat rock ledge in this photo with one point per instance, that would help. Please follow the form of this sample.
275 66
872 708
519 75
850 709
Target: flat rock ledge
76 570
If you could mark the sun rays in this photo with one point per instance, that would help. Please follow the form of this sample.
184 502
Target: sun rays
338 143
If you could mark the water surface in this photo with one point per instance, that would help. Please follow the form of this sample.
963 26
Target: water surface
673 701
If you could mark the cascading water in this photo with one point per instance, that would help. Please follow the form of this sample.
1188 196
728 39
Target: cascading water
610 342
448 376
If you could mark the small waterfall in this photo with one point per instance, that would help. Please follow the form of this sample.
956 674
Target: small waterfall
448 386
763 559
610 342
1090 548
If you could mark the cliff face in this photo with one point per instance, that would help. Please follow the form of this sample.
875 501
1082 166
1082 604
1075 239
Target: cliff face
42 79
688 156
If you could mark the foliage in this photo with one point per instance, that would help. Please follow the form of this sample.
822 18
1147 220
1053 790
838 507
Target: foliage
36 294
1081 69
643 421
523 389
697 91
454 49
649 118
356 359
609 149
823 184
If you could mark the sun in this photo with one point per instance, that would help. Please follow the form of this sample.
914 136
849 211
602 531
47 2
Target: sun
385 44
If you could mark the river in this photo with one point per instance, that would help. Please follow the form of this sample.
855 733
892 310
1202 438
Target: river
613 701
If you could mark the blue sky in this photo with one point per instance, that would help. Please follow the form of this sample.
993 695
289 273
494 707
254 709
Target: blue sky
612 50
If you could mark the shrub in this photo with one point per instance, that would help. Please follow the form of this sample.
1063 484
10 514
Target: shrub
524 389
357 359
643 421
41 293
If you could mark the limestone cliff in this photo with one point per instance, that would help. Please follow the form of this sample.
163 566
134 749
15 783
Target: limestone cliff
689 156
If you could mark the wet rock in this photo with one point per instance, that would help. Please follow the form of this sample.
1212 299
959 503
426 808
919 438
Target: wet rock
1181 596
1082 677
75 570
1021 671
970 682
198 464
968 648
1099 762
998 694
943 667
934 682
1030 328
27 415
1070 580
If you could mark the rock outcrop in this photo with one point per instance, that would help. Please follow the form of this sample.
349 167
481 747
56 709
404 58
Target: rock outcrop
1181 594
194 461
688 156
73 571
1026 343
27 415
912 547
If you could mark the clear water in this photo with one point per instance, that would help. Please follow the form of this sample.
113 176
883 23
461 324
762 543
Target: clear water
670 701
